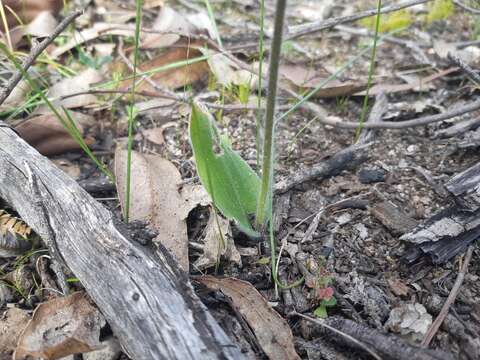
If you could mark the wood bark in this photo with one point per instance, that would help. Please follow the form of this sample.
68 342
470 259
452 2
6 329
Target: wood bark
452 230
148 302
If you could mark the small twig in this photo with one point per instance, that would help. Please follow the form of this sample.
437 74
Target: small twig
466 7
308 28
467 69
341 333
35 53
421 121
450 300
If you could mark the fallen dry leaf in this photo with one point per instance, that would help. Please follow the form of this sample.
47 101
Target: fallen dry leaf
73 85
169 25
217 242
156 199
43 25
16 97
98 29
12 323
27 10
306 77
177 77
271 330
49 137
61 327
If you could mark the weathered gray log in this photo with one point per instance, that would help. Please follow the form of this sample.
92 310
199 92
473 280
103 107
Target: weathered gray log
450 231
148 302
465 186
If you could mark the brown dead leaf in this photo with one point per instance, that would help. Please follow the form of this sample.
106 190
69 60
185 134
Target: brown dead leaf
218 242
49 137
27 10
271 330
155 198
304 77
61 327
176 77
98 29
168 26
12 323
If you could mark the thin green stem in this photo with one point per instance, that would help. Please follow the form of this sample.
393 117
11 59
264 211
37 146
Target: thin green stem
268 140
370 74
131 115
211 15
260 77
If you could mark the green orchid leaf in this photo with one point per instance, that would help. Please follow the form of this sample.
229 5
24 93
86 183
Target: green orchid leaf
228 179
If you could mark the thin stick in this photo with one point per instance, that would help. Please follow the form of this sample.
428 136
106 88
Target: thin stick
450 300
308 28
421 121
341 333
35 53
466 7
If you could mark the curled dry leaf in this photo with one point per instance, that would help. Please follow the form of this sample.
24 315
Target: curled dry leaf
218 242
271 330
19 12
12 323
61 327
155 198
49 137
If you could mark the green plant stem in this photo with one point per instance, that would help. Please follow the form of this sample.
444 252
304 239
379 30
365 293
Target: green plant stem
260 77
131 117
268 140
211 15
370 74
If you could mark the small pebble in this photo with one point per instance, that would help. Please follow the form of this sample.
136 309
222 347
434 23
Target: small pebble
369 176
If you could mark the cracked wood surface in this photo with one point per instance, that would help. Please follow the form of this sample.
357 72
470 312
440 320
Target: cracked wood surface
149 303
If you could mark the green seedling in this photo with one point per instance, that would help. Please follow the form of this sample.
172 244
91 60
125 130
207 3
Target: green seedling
324 293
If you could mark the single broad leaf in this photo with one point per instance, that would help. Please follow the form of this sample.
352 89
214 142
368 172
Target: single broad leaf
228 179
271 331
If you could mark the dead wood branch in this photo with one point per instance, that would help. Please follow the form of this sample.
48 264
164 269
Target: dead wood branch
421 121
390 347
35 53
346 159
450 300
147 300
466 7
309 28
